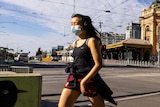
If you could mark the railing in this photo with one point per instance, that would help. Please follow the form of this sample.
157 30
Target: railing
17 69
4 67
133 62
21 69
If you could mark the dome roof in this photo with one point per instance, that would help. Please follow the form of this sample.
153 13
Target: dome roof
156 3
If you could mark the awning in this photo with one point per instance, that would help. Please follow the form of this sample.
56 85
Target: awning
137 43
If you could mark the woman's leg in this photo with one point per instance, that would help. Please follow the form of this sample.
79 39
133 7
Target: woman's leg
68 97
97 101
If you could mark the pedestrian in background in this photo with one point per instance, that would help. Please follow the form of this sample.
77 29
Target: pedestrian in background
83 72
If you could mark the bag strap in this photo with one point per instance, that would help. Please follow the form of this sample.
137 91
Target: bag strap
86 42
75 60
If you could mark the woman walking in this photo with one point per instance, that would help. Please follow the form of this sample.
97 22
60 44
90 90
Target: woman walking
83 73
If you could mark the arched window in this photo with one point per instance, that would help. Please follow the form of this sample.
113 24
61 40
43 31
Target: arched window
146 30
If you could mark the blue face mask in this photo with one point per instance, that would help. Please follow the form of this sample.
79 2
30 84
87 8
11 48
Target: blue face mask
76 30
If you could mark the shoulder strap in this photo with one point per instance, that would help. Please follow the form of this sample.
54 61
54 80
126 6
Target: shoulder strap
74 44
86 42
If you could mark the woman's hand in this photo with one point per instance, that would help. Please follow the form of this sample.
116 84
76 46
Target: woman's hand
83 87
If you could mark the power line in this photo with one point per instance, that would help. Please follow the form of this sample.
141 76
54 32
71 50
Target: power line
73 5
119 4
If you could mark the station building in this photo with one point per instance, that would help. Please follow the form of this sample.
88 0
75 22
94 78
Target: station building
147 46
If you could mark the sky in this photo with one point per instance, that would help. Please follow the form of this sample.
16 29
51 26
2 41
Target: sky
31 24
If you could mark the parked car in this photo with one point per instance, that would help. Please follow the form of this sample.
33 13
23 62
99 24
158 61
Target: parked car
23 57
54 58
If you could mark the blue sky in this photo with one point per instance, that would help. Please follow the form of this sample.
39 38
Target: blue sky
30 24
23 27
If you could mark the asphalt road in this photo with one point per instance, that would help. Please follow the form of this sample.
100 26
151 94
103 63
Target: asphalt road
132 86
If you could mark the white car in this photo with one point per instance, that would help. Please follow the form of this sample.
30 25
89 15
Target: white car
22 57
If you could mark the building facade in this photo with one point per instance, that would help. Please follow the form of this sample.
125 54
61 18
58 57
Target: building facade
111 38
150 25
142 41
133 30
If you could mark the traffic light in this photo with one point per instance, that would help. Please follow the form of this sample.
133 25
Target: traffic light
104 51
103 47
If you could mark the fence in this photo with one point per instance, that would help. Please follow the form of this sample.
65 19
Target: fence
21 69
2 59
4 67
17 69
134 62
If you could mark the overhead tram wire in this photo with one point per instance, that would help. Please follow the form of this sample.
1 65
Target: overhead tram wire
76 6
73 5
35 13
94 8
119 4
24 12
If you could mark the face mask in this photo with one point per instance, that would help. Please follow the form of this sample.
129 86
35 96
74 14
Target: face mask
76 30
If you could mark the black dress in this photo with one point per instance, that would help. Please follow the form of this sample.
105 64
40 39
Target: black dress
83 62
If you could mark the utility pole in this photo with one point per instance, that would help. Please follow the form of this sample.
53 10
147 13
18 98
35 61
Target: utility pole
74 6
100 26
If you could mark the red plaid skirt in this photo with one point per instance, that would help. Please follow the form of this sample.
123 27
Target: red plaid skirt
91 87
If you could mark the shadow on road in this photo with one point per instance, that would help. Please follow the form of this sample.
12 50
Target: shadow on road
45 103
47 66
46 95
34 65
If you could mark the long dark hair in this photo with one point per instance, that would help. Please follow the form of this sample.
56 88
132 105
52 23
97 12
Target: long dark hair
87 25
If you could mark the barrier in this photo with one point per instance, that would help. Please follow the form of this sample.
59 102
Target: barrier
134 62
21 69
20 89
47 59
2 59
4 67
